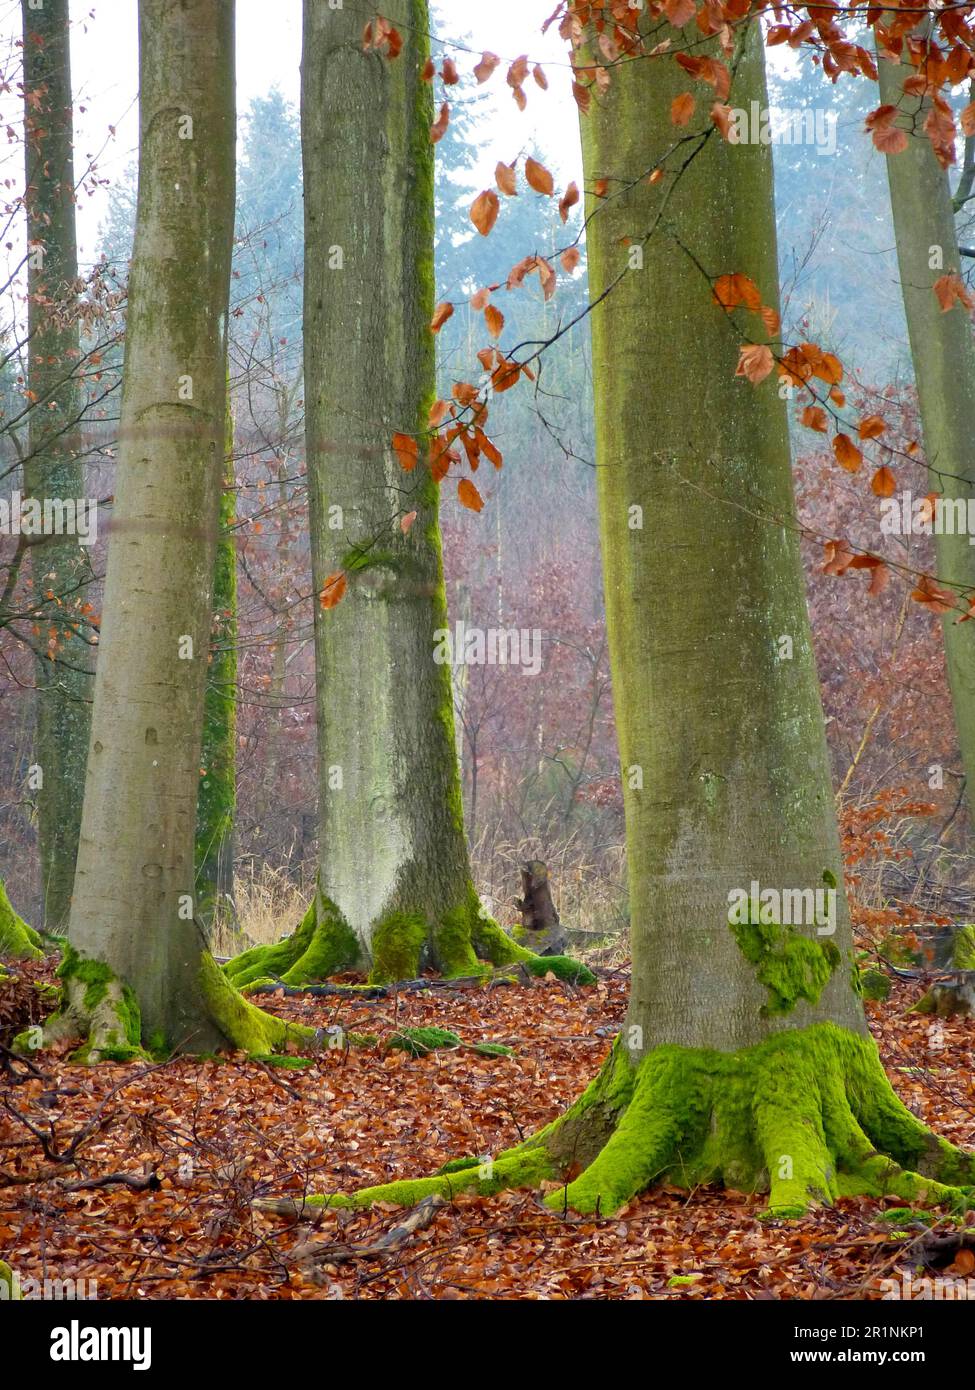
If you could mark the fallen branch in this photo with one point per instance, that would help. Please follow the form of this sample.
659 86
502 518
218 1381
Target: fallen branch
335 1252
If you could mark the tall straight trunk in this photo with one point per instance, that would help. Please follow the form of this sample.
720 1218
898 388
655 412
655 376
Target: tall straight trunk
745 1058
943 352
53 467
137 971
395 887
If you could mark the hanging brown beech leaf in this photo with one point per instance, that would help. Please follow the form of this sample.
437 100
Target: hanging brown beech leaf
469 495
540 77
407 521
730 291
484 211
487 64
518 71
950 289
848 456
494 319
449 72
441 314
814 418
438 413
479 300
521 101
755 361
490 450
333 589
506 178
539 177
682 108
883 483
505 375
568 200
570 258
439 127
429 68
406 450
871 426
582 97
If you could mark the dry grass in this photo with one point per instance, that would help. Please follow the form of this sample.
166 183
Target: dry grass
269 906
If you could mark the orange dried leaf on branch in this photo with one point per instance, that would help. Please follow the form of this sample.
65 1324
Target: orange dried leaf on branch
682 108
568 200
539 76
883 483
485 66
730 291
539 177
570 258
441 314
930 596
848 456
333 589
755 361
494 319
489 449
469 496
506 178
449 73
484 211
814 418
407 451
950 290
871 427
439 127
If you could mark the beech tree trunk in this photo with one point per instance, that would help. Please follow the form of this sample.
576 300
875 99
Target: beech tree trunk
395 887
745 1058
943 353
137 971
53 466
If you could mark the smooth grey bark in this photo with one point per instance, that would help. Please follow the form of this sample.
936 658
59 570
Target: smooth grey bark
391 828
943 353
722 743
53 464
136 860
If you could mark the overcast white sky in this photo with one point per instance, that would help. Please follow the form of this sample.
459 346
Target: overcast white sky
105 70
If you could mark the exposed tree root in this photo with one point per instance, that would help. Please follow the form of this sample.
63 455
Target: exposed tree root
458 945
17 940
806 1115
101 1013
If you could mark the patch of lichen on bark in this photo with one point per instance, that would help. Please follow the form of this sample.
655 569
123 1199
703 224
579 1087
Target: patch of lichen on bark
808 1115
790 965
17 940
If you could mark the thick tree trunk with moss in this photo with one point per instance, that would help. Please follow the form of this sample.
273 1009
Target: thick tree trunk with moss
395 887
53 467
137 972
943 353
744 1059
217 797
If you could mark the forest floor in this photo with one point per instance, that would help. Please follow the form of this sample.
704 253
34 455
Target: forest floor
203 1138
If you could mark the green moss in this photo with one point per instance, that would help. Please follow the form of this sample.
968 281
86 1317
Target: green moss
419 1041
17 940
790 965
807 1115
490 1049
453 951
289 1063
396 945
874 984
322 945
963 949
243 1024
9 1284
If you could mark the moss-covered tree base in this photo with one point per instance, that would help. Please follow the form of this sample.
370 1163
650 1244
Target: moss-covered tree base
956 996
806 1115
461 942
18 941
101 1014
